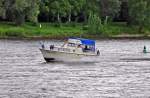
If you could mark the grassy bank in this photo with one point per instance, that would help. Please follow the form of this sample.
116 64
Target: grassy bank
48 30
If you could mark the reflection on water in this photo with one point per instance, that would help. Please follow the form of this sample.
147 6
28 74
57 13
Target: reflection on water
121 71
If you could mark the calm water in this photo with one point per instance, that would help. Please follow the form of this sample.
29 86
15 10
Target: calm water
121 71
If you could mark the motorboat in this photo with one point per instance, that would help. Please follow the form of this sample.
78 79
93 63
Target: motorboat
72 49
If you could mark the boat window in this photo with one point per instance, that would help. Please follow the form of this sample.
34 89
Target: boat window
71 44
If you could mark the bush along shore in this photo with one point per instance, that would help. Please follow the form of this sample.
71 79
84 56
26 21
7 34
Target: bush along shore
55 31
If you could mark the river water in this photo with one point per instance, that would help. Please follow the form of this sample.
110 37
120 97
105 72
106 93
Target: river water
121 71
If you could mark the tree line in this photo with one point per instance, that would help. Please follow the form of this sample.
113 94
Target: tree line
19 11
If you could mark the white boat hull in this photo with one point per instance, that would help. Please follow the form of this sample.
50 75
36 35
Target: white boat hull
63 56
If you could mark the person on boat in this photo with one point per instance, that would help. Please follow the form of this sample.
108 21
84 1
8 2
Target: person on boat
51 47
98 52
42 45
86 47
144 49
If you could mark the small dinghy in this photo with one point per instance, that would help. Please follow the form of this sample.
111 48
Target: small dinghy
72 49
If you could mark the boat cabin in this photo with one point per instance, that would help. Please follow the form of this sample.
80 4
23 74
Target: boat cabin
84 45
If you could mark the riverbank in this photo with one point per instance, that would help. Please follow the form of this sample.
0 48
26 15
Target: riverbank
54 31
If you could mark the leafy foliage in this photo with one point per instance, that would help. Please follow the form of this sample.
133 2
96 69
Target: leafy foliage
94 24
70 11
109 9
2 10
19 9
139 12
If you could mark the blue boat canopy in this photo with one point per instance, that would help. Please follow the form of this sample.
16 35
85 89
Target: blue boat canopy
86 41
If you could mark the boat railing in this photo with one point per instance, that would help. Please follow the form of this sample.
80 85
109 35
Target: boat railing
60 49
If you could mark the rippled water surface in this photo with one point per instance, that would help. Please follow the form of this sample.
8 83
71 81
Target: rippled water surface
121 71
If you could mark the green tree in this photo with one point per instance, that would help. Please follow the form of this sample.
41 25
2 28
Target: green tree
139 12
94 24
33 11
90 6
59 8
44 9
109 8
6 8
19 9
2 10
76 7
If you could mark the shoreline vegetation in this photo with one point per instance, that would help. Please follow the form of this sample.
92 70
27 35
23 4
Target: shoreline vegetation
53 31
59 19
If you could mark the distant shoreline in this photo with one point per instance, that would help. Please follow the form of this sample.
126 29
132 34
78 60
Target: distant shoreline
51 31
88 37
